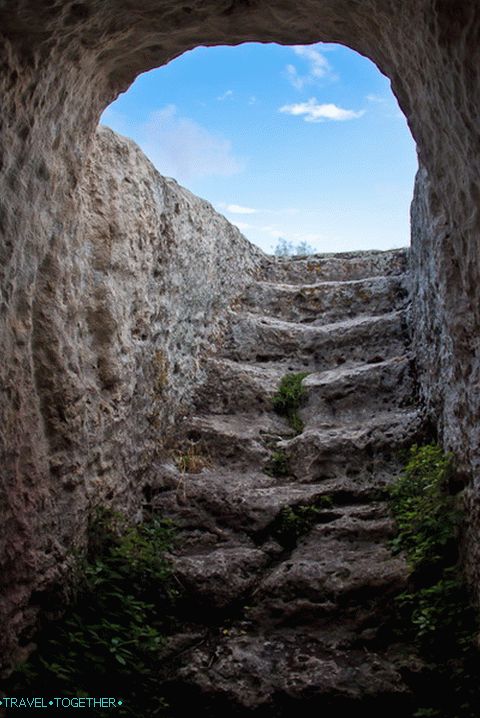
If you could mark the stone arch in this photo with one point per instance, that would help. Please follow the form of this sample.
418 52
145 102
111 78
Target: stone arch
62 62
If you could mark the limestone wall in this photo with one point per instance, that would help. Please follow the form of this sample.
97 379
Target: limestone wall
445 259
123 310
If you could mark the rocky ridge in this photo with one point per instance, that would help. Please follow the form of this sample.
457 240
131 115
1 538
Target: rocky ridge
287 579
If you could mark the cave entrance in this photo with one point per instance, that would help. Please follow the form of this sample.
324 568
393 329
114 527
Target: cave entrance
62 63
303 148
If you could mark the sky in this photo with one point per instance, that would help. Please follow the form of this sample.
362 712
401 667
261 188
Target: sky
302 143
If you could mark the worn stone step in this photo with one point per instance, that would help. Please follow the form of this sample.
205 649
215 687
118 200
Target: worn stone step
334 571
220 574
325 302
214 579
349 390
358 391
232 386
288 673
352 449
364 339
336 267
237 439
218 503
243 440
225 503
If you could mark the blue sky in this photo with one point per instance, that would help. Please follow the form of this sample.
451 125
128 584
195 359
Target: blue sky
306 143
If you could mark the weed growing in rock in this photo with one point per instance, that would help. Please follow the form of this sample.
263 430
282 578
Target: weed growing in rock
109 640
277 464
289 398
192 459
436 611
294 522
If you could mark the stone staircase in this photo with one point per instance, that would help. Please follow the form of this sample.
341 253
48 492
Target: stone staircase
287 579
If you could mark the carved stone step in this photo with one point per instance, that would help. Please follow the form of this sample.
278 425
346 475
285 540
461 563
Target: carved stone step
234 439
347 390
357 392
292 672
233 386
336 267
283 539
326 302
351 449
225 502
364 339
332 573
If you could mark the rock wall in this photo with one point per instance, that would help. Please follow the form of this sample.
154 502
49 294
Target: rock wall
445 256
61 63
123 310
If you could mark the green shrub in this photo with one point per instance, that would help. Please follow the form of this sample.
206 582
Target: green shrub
109 640
289 398
425 513
436 612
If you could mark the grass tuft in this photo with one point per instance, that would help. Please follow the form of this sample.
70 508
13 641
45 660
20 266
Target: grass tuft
192 459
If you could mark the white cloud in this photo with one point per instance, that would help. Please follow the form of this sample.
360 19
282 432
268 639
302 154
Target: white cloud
295 79
182 148
313 111
239 209
225 96
318 67
242 225
242 209
272 231
377 99
389 105
178 146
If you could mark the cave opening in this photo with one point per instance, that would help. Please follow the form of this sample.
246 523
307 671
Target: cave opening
303 148
61 431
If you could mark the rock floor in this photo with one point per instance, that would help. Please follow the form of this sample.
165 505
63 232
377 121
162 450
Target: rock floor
287 580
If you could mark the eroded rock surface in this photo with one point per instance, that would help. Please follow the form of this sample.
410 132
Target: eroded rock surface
283 538
123 313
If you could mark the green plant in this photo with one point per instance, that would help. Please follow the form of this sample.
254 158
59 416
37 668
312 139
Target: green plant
436 610
425 513
110 638
294 522
289 398
277 465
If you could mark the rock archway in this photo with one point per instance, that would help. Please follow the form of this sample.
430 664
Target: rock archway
62 63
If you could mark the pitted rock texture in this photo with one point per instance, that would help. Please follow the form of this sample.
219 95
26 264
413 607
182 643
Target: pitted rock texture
446 319
286 616
120 322
62 62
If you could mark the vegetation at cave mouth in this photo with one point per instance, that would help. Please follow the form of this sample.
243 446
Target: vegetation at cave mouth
109 640
436 612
